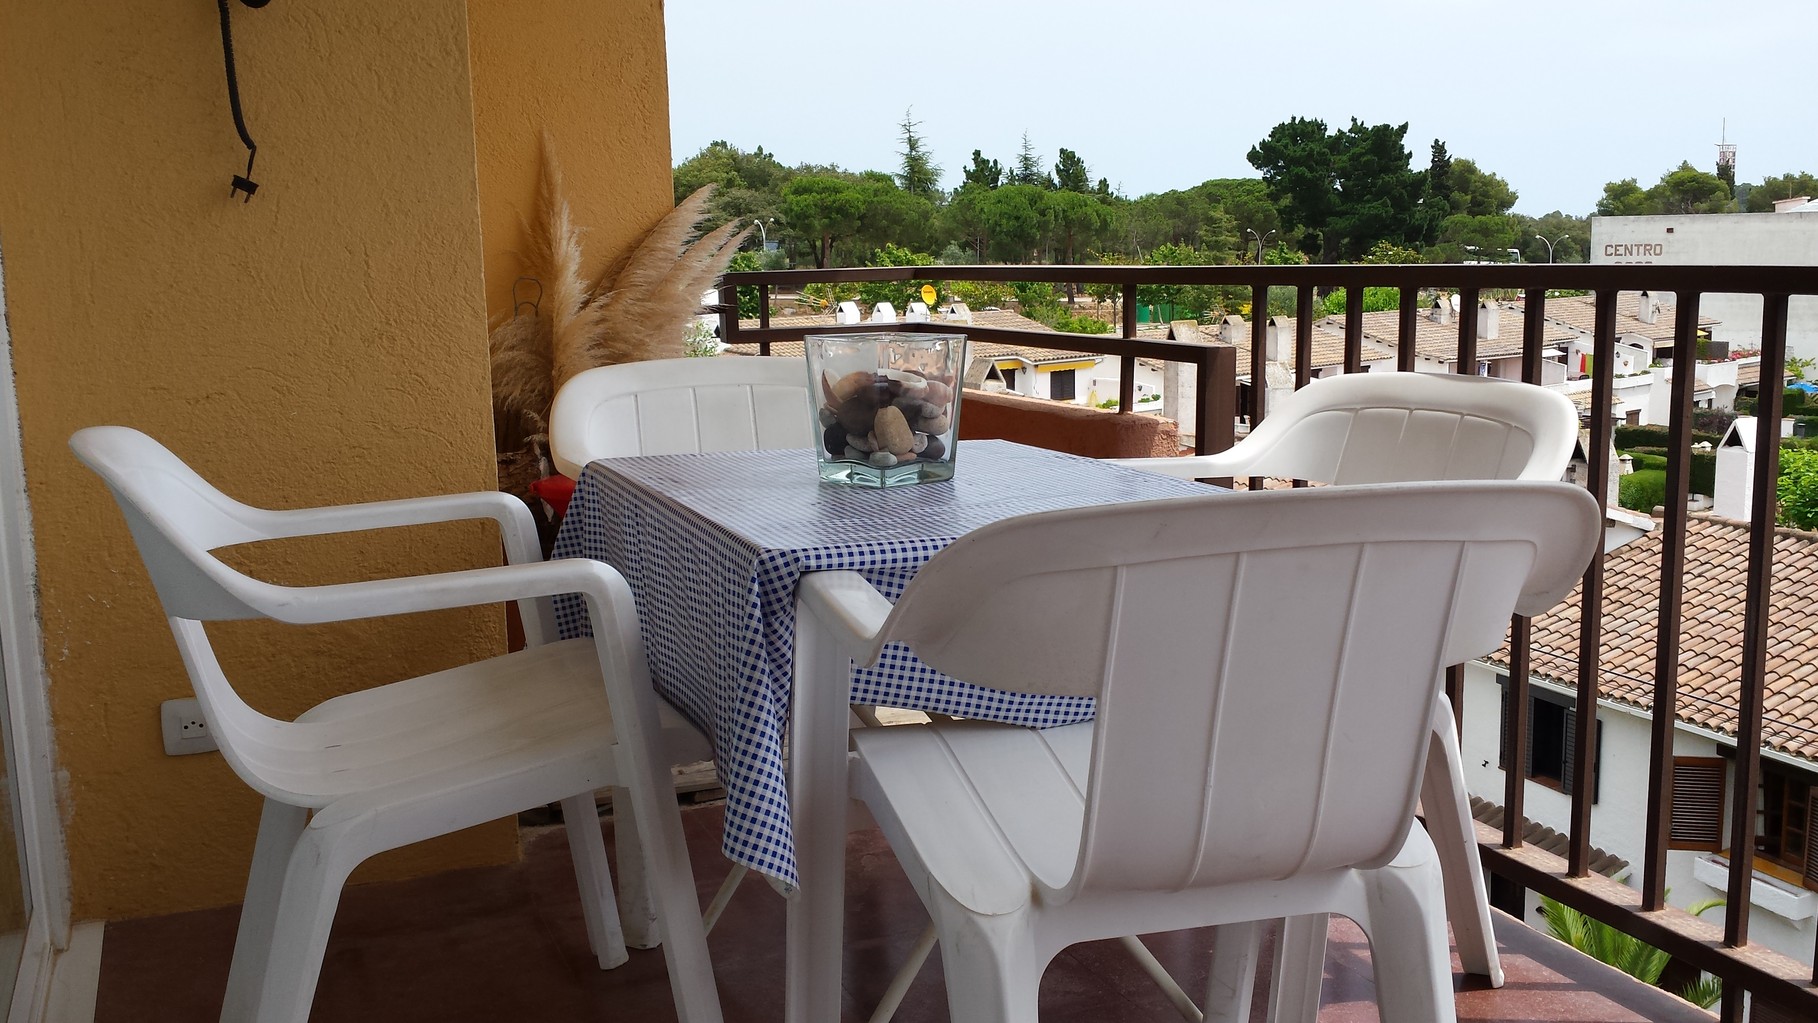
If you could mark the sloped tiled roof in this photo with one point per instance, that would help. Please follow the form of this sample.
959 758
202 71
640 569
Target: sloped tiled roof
1000 319
1710 657
1328 342
1579 312
1439 341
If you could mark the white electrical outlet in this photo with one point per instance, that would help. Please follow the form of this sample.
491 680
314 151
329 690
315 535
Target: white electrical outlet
185 729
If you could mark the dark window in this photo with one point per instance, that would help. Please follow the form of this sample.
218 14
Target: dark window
1786 815
1697 804
1009 379
1552 740
1060 385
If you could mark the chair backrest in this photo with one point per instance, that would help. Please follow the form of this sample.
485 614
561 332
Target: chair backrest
1265 665
177 518
1402 427
681 406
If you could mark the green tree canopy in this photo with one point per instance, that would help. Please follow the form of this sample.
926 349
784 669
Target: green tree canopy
1029 167
1345 190
983 172
920 175
1784 186
1685 189
1070 172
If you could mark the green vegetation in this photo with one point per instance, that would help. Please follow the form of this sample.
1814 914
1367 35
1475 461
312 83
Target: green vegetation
1624 951
1352 193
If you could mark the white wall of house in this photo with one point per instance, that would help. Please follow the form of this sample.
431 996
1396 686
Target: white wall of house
1619 818
1738 239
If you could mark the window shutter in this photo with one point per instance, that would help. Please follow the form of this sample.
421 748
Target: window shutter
1570 769
1508 714
1698 805
1811 839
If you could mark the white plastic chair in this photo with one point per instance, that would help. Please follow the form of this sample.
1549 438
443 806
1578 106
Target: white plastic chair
385 767
1398 428
1391 428
676 406
1263 666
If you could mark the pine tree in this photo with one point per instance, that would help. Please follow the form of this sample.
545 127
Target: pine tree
921 176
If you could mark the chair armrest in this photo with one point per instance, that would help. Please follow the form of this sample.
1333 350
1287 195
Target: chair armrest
851 609
340 602
516 526
1188 467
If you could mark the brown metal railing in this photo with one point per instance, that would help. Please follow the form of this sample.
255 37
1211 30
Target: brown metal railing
1725 952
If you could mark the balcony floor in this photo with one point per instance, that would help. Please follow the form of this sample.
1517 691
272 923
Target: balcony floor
508 943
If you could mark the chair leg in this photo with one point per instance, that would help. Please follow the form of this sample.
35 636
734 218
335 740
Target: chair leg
1407 930
318 866
593 876
670 881
280 824
1163 979
993 972
905 976
728 888
1300 968
1230 987
1454 835
637 914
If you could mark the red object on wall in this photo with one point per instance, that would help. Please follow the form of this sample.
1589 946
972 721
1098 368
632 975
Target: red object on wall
555 491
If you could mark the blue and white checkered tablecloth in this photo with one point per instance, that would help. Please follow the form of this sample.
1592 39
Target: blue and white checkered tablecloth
713 546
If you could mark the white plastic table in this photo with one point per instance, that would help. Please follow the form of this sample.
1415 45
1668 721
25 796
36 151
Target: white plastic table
713 546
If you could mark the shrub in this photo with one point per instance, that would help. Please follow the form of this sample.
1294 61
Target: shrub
1642 490
1799 488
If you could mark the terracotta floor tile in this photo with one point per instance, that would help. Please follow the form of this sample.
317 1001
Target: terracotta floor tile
508 943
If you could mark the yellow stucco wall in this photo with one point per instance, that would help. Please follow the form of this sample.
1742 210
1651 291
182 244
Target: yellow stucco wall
322 344
595 76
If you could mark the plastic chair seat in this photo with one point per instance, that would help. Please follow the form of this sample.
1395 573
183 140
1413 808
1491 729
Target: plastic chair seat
550 699
1007 803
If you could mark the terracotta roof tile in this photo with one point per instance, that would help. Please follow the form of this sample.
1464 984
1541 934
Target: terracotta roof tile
1710 661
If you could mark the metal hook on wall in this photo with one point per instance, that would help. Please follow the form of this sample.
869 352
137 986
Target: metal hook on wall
535 304
241 182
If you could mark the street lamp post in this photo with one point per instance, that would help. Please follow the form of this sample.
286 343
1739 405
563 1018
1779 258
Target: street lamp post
763 235
1550 244
1261 239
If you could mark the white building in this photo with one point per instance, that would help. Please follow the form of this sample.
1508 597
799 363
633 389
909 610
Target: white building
1785 893
1787 238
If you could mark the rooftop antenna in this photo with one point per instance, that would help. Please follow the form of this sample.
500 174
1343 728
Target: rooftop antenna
1726 154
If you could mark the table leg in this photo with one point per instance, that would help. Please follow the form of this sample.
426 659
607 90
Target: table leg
817 799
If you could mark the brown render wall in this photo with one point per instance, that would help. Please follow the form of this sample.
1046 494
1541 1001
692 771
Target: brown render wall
324 343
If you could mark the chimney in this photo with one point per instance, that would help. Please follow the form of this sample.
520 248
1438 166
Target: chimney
1489 319
1646 308
1275 342
1442 310
1232 329
883 312
1735 484
848 313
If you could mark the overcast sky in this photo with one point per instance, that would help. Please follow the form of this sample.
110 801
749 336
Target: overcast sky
1558 98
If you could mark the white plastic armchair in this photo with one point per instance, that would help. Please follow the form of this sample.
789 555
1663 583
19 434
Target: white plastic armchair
1396 428
384 767
1404 427
676 406
1263 668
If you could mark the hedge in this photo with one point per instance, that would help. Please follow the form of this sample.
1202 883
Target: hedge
1642 490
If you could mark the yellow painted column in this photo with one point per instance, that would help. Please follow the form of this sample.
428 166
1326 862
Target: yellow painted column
324 343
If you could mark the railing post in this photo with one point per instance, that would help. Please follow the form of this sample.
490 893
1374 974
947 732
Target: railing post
1762 514
1408 326
1590 623
1126 366
1672 592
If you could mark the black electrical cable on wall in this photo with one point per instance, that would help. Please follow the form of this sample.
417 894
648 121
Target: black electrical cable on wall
241 182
